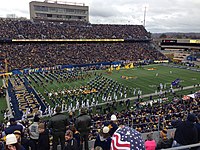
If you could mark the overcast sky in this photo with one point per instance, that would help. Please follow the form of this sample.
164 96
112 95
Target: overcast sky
161 15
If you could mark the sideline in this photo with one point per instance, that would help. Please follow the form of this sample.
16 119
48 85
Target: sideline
147 95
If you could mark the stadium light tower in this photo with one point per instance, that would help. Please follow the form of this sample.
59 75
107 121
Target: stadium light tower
145 11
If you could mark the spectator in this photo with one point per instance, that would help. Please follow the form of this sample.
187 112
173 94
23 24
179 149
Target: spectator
17 133
132 139
113 125
103 139
98 148
76 136
82 124
57 124
34 134
43 141
12 143
186 133
71 143
71 117
164 142
150 144
21 139
198 126
13 126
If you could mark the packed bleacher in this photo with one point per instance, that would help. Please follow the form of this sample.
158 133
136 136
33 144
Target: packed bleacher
160 116
19 29
27 55
48 55
150 116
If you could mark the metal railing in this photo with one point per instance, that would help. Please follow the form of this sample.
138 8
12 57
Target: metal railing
185 147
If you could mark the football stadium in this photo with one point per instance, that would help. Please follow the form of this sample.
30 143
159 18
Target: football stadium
69 84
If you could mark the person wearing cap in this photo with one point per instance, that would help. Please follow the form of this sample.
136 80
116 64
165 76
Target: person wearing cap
33 132
186 133
17 133
164 141
13 126
43 141
21 139
70 142
82 124
12 143
103 139
113 124
58 123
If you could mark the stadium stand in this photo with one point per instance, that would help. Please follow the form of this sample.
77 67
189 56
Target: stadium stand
49 55
136 47
26 29
21 55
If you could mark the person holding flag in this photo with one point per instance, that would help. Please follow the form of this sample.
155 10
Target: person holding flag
127 138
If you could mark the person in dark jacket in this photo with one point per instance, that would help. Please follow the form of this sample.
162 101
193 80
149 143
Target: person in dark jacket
164 142
71 143
58 124
82 124
186 133
113 125
198 126
13 126
43 141
103 139
76 136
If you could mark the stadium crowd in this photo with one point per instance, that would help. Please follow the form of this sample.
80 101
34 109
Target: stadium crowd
48 55
143 117
27 29
32 55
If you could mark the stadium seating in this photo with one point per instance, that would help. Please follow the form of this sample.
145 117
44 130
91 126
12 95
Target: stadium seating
19 29
47 55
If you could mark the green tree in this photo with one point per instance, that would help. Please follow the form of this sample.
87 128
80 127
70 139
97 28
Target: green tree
163 36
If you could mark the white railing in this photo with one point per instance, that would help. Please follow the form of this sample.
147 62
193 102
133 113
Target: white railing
184 147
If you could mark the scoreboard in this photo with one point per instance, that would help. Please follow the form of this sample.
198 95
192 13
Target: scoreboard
169 41
180 43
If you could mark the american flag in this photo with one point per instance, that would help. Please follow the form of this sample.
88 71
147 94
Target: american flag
126 138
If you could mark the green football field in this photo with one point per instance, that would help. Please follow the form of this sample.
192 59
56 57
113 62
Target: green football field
146 79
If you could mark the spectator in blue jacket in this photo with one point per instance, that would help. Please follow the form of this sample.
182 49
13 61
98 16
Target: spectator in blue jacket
13 126
186 133
103 139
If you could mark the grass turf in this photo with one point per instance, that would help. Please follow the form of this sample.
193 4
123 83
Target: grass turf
146 78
